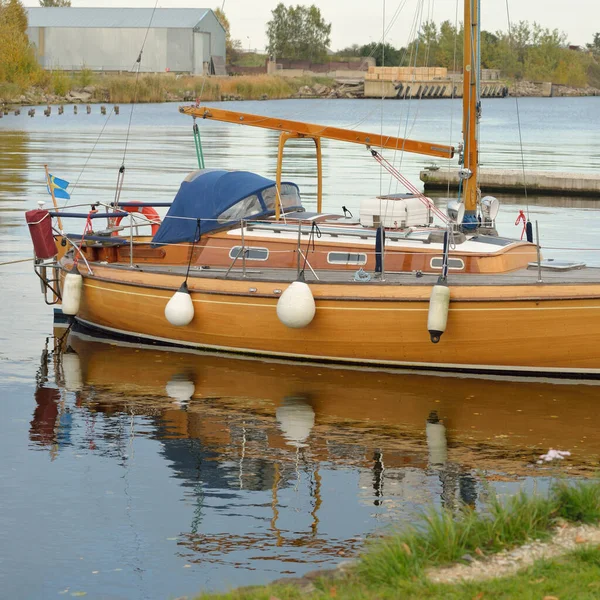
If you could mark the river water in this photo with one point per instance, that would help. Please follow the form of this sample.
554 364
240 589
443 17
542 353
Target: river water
133 472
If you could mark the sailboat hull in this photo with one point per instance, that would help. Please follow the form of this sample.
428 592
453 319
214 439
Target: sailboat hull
543 329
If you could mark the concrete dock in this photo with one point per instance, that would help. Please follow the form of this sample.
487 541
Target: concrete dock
443 88
537 182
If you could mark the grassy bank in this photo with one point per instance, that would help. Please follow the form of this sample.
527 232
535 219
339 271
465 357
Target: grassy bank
395 566
127 88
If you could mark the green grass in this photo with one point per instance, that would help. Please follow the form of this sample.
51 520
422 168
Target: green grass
394 565
441 539
579 502
574 575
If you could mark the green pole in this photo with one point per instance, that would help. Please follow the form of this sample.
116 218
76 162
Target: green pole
198 144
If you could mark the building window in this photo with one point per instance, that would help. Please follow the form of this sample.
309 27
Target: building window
454 264
250 253
346 258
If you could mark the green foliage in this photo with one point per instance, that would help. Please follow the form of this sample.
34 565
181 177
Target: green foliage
298 32
18 64
250 59
61 83
441 538
233 47
84 77
55 2
579 502
384 54
530 52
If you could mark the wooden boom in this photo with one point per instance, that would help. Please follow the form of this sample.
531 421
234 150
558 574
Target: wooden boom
313 131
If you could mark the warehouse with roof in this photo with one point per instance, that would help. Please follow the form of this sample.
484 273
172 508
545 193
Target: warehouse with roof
188 40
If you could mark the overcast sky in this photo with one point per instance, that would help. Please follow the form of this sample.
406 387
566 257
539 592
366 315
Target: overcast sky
360 21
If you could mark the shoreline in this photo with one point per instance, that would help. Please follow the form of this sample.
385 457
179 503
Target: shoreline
466 554
86 88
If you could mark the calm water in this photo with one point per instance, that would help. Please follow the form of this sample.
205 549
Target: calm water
132 472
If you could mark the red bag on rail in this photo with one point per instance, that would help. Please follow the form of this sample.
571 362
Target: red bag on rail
40 229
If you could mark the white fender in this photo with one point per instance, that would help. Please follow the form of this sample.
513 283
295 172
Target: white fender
296 419
71 293
296 306
438 311
179 310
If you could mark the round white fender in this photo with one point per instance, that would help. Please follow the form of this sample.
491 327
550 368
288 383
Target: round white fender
296 306
296 419
179 310
438 311
71 293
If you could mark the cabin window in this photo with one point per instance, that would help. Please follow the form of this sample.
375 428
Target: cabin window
454 264
244 208
346 258
251 253
290 198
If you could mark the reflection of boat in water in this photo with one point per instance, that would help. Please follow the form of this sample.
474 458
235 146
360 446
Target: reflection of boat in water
511 421
268 443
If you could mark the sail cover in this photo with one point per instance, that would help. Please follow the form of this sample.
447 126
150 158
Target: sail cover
219 198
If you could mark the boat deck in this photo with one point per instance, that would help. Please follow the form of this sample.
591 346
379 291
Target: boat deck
556 275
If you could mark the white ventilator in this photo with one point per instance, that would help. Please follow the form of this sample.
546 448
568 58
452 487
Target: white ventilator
71 293
437 318
296 306
179 310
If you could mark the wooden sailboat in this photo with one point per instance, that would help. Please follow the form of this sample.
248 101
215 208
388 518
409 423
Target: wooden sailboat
243 279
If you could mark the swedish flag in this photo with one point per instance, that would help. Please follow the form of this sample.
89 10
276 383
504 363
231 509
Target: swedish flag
59 186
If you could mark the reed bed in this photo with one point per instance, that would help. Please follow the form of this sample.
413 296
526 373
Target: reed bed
125 89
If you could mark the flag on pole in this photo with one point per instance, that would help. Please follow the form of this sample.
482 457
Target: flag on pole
59 186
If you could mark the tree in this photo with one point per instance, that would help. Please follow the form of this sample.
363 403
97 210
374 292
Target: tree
595 45
298 32
55 3
17 63
384 55
232 47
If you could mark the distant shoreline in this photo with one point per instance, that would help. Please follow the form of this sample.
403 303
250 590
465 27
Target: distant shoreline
155 88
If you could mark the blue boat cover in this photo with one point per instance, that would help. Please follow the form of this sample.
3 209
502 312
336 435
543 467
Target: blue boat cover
205 195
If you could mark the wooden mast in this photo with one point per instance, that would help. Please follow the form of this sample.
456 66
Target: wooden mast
471 109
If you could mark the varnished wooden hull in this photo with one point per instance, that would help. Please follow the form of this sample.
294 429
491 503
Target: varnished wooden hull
533 329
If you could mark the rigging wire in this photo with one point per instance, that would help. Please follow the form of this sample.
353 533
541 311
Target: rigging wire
518 120
137 63
74 187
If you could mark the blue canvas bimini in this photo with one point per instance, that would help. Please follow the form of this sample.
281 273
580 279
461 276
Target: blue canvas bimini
219 199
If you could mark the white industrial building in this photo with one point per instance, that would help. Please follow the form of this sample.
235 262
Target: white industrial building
189 40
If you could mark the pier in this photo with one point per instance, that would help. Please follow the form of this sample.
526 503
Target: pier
513 180
427 82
